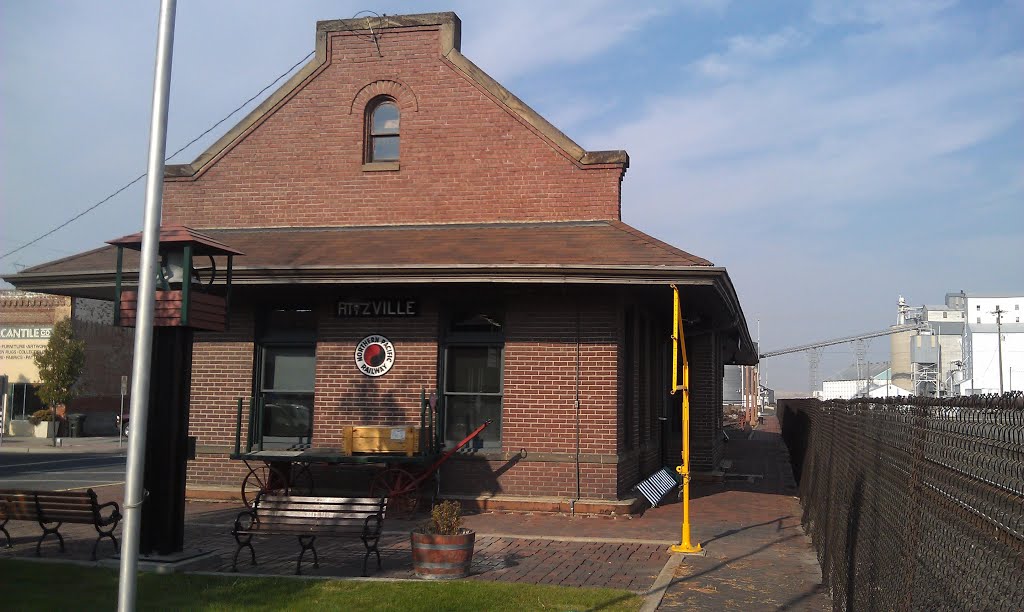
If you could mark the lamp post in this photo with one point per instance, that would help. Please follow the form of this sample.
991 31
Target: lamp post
186 298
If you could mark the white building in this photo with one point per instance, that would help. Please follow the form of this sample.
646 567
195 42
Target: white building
981 344
925 361
857 381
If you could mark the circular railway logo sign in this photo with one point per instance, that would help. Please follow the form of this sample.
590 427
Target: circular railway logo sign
375 355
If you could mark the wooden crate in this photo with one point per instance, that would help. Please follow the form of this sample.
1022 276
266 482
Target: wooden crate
373 439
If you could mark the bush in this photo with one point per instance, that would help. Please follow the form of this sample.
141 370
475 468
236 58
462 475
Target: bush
60 364
445 519
41 416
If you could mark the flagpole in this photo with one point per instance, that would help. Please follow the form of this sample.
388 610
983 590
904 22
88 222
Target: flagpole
134 494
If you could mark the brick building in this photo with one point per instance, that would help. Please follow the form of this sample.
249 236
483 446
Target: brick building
392 188
26 320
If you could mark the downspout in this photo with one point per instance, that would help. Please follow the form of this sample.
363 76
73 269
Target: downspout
572 503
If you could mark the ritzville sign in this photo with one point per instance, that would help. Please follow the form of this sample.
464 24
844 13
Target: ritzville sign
389 307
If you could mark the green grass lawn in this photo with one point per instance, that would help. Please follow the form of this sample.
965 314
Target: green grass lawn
49 586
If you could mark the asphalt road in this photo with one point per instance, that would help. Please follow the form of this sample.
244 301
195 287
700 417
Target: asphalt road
60 471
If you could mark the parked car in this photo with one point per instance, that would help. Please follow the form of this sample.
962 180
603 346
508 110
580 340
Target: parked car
122 424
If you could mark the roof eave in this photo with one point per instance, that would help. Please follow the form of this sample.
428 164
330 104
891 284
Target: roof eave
101 281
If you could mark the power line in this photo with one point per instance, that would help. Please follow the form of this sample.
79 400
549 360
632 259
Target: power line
169 157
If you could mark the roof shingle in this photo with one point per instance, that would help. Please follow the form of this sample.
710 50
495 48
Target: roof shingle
594 244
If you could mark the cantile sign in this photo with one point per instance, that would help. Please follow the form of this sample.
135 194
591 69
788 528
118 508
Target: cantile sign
18 345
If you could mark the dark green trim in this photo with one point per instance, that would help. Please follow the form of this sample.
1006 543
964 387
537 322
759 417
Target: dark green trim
227 297
238 430
186 283
117 287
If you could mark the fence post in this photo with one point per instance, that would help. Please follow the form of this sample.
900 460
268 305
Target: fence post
918 427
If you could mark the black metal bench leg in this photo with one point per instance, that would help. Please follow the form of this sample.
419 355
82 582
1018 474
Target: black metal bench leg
47 531
370 548
96 544
306 545
3 528
241 545
104 534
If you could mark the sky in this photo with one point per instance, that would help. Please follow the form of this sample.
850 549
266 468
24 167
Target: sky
832 154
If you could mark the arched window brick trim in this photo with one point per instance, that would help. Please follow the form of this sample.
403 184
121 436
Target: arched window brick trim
398 91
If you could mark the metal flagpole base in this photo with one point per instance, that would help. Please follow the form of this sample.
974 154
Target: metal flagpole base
689 551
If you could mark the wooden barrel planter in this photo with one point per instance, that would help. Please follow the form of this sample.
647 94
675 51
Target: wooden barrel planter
440 557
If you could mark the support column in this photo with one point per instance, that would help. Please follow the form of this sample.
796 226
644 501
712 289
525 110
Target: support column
706 373
163 511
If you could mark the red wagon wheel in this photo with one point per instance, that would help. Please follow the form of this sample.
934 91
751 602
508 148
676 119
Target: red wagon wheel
396 485
262 480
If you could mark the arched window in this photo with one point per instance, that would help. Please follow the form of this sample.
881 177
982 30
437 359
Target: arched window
382 123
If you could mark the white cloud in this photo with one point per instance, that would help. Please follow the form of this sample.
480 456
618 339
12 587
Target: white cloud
819 136
876 12
508 40
742 52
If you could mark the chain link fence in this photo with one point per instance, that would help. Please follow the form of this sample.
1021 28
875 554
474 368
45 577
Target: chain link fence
914 503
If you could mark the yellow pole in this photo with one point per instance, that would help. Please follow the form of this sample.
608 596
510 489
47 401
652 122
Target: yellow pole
679 348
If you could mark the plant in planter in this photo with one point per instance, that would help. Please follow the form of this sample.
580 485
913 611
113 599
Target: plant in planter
45 418
40 416
442 548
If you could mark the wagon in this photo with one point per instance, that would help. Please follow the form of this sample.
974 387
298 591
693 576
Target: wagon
406 458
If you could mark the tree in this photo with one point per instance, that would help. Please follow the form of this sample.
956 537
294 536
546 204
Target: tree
60 364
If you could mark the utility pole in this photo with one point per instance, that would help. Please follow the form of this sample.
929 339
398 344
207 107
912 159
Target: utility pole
999 333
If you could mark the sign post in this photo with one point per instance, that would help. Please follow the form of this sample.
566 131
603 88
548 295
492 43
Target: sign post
120 421
4 404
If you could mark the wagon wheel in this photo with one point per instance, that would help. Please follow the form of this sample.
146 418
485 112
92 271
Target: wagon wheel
394 483
302 480
262 480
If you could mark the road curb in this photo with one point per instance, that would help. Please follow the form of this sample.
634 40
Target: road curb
653 597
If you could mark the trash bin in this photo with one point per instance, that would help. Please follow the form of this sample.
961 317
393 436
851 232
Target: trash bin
75 424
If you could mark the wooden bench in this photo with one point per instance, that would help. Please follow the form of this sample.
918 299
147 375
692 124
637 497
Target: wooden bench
51 509
309 518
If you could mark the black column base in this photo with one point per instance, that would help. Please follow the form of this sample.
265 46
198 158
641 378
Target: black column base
163 510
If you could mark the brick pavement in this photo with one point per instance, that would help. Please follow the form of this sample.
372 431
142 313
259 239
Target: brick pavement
758 556
629 566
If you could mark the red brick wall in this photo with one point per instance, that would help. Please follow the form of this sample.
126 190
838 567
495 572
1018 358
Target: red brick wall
464 157
539 396
222 365
705 357
217 470
108 356
539 412
642 454
344 396
540 376
17 308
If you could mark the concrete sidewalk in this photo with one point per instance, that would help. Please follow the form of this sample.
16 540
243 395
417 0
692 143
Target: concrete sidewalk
757 554
758 557
91 444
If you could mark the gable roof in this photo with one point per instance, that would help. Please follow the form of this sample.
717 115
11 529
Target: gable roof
450 28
